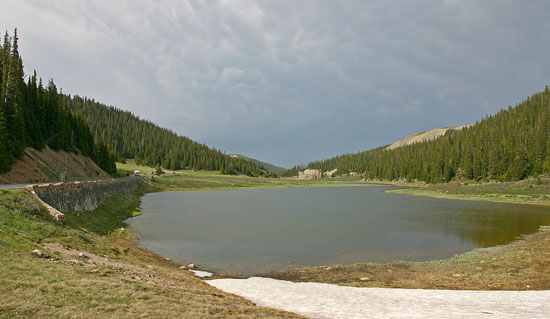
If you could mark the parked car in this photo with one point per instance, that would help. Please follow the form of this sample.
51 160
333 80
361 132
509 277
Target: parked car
136 173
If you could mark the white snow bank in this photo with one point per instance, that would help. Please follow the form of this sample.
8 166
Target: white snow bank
200 273
318 300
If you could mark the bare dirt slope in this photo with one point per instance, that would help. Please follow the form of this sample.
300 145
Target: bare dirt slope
47 165
424 136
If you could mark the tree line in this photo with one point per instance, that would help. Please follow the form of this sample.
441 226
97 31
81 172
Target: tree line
509 145
35 115
128 136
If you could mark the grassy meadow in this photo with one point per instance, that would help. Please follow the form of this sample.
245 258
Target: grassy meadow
205 180
96 268
530 191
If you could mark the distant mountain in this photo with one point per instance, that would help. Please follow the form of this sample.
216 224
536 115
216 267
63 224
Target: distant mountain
510 145
270 167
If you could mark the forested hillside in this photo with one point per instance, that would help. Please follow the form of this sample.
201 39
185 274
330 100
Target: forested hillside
35 115
509 145
269 167
128 136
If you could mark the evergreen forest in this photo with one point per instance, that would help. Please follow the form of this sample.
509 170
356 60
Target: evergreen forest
34 114
128 136
510 145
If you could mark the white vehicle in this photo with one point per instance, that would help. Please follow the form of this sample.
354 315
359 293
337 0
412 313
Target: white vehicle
136 173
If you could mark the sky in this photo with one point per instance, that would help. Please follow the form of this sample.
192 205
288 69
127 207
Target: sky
288 82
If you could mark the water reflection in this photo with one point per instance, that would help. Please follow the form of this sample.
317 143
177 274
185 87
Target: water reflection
252 231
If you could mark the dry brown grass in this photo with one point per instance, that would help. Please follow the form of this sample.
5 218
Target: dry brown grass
115 277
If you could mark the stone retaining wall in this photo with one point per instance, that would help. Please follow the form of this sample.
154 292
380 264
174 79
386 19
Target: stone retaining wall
82 196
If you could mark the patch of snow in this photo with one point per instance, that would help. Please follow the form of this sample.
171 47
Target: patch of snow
318 300
202 274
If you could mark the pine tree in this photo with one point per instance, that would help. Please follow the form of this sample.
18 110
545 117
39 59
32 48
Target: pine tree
31 115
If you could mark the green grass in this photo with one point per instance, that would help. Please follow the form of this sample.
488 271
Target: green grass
211 181
130 166
521 192
23 222
116 278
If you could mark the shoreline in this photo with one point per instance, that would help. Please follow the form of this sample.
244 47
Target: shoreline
365 270
93 262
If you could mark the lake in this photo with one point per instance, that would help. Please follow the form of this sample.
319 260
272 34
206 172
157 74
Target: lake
253 231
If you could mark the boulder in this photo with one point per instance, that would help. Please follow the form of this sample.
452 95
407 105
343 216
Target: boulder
38 253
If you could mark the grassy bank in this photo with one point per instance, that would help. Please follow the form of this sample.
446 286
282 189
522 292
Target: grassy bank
520 265
192 180
94 268
530 191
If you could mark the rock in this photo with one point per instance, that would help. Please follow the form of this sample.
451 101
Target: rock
122 228
22 234
168 259
365 279
149 266
191 266
76 262
38 253
457 275
183 267
478 268
329 268
82 255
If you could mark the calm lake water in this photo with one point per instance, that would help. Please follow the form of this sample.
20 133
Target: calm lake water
258 231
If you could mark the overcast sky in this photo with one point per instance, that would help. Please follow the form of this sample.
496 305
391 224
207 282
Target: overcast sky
289 82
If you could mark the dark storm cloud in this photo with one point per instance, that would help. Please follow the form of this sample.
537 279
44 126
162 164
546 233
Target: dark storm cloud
289 82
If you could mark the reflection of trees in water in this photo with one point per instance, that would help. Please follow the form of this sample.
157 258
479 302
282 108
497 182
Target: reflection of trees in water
488 227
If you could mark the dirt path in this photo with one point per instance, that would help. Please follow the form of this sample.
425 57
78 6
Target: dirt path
318 300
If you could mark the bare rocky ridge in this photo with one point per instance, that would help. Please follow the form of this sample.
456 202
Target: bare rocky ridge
424 136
